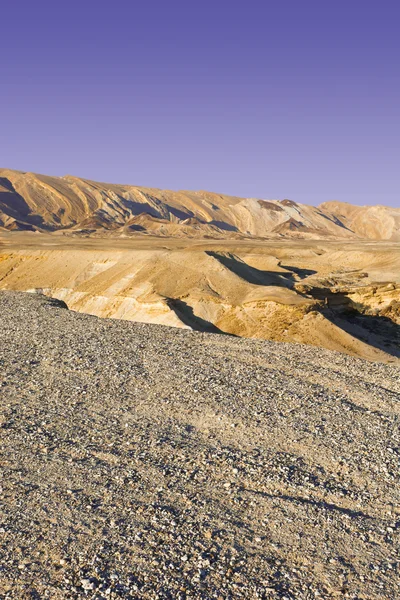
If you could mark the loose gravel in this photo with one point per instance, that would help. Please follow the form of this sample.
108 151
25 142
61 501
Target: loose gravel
145 462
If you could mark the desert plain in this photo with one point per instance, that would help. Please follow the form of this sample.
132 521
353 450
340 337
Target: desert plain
199 395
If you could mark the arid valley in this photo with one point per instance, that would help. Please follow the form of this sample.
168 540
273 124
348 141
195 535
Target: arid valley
327 276
199 300
200 395
341 296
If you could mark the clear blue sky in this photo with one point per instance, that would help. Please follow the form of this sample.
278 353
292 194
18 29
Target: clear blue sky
284 99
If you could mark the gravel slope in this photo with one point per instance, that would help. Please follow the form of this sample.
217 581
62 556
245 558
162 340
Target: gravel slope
139 461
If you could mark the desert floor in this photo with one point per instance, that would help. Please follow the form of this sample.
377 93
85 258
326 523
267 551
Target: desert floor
149 462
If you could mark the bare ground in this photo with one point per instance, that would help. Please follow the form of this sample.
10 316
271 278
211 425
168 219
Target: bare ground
140 461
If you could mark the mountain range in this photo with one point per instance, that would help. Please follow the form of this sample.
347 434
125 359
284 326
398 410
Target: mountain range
69 204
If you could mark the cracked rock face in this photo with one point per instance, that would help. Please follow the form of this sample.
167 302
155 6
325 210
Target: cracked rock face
140 461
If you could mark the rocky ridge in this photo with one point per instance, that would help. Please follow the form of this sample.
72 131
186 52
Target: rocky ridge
72 205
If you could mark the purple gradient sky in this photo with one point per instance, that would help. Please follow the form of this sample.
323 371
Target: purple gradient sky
285 99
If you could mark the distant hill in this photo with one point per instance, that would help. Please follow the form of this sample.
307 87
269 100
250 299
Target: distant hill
29 201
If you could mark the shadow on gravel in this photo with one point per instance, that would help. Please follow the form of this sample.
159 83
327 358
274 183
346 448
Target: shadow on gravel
301 273
352 406
223 225
377 331
185 313
14 205
258 276
251 274
354 514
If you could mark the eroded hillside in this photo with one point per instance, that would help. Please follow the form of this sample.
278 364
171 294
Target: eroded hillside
342 297
29 201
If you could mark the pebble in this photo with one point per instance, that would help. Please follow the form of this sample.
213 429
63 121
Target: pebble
149 511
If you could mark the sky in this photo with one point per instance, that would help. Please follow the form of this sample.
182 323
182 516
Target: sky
282 99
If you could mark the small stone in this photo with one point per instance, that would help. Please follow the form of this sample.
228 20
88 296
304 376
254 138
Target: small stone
87 584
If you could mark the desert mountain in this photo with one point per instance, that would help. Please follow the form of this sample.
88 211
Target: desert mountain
35 202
